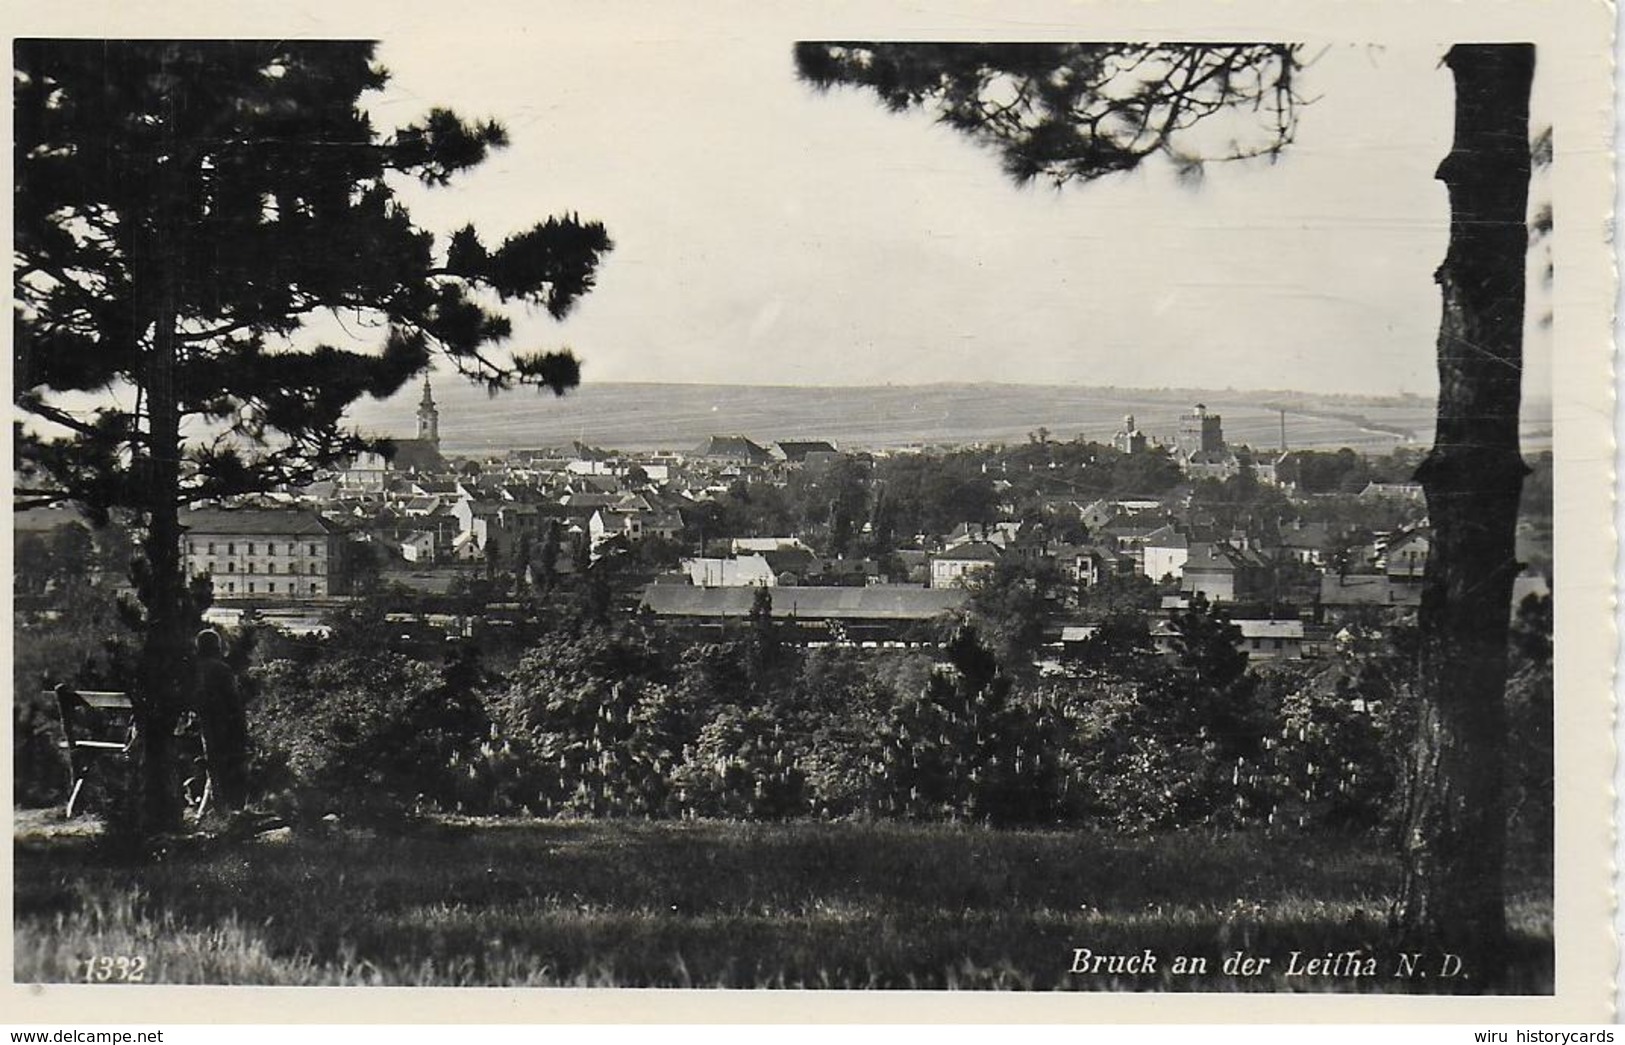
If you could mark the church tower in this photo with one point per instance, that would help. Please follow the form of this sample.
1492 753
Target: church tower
428 418
1130 440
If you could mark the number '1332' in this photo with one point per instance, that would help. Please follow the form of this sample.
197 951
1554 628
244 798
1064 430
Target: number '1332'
108 968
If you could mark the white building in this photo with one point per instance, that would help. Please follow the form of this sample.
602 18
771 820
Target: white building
744 571
1271 639
418 547
253 552
1164 554
955 567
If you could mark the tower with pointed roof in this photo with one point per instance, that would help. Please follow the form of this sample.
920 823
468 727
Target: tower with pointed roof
428 418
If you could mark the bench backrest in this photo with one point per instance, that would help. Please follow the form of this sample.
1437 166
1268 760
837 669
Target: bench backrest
95 719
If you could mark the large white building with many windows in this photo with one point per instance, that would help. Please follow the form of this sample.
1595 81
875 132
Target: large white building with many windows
262 553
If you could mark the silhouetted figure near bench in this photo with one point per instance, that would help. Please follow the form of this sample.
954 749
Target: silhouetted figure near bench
219 706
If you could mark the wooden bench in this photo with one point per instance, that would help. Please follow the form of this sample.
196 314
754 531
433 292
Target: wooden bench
98 726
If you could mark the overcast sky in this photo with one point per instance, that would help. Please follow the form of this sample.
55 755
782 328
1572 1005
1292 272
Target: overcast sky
766 233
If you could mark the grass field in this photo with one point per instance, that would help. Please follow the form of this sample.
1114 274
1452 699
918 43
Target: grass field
717 905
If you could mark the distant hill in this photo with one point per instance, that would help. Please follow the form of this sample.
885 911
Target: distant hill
671 416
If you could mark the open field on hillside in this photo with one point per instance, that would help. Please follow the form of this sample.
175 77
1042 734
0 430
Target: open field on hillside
714 904
633 416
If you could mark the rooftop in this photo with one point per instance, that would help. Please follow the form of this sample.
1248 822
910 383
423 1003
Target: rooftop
256 522
876 602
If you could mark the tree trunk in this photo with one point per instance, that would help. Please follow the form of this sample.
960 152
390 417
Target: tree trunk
1455 826
166 653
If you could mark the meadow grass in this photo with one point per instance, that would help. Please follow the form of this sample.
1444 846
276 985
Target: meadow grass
720 904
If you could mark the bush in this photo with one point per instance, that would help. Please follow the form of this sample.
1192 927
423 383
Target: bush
744 764
587 724
1334 764
370 734
597 721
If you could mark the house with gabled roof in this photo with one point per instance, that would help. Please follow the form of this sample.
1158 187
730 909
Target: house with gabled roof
1274 469
1404 555
607 523
1259 638
843 571
424 487
1087 565
417 506
366 472
582 505
742 571
1210 464
1222 572
1271 639
1098 513
1312 544
502 524
1163 554
1000 534
1345 595
1128 534
954 567
634 520
632 502
732 449
798 451
418 546
605 483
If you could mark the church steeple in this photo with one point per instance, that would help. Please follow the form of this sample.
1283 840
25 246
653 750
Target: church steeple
428 417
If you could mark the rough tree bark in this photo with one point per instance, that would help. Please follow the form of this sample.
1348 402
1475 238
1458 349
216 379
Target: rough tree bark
1455 828
166 663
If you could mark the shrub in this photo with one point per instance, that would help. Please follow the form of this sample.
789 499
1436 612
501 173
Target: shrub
585 725
1333 764
374 733
744 763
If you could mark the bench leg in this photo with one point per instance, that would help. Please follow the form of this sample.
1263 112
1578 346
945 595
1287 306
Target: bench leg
78 786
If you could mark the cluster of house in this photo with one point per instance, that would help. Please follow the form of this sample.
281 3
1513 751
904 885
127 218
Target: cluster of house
425 512
1187 559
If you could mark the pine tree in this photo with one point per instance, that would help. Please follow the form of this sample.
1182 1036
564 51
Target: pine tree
183 209
762 643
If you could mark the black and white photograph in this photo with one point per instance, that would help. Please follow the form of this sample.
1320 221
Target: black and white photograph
1091 510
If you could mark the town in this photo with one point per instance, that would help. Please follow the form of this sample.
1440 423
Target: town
855 547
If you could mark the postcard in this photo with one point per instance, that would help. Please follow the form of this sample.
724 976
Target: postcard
1079 512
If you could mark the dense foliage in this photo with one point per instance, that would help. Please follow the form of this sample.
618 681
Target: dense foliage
364 732
619 721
